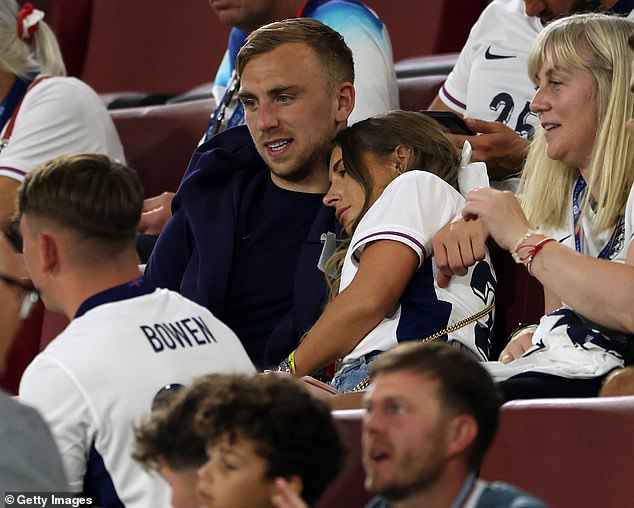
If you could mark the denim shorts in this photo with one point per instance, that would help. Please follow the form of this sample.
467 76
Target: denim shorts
352 373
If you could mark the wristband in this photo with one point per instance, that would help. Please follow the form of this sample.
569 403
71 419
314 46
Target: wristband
519 243
538 246
521 327
291 361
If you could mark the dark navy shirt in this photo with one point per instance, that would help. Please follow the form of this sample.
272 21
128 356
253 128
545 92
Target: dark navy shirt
260 286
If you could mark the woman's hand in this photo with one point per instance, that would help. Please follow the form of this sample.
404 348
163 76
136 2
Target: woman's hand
500 212
517 346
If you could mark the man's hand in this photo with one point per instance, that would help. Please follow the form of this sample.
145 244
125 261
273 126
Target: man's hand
457 246
521 343
157 212
285 497
499 146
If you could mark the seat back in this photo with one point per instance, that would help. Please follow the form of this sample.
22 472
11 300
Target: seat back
159 46
159 140
568 452
416 93
26 345
347 489
419 27
519 297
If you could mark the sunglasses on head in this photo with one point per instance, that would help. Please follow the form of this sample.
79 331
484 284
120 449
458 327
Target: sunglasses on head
30 294
14 236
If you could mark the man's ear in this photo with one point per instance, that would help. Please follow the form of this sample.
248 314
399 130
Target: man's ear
49 249
461 433
345 102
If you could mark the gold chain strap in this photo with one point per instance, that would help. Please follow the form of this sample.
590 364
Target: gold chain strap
364 383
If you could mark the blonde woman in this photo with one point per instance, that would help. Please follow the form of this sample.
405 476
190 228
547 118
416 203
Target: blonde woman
43 114
576 188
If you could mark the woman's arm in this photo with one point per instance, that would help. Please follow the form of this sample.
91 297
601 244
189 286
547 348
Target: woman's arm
601 290
384 271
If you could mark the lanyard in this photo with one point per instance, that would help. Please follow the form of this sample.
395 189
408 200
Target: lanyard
7 133
580 186
11 101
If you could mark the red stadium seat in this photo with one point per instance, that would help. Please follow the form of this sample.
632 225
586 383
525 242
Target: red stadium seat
569 452
417 92
347 490
159 140
158 46
419 27
25 346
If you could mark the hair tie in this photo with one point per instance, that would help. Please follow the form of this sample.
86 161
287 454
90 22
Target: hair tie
28 21
471 174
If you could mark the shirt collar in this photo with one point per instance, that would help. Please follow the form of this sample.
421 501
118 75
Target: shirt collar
131 289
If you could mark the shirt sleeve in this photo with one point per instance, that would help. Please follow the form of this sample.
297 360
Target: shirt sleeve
51 389
375 78
29 460
411 210
58 116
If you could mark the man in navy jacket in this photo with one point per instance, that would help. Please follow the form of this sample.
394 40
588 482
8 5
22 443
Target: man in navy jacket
248 221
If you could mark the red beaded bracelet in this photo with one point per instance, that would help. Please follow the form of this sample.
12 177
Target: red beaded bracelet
532 252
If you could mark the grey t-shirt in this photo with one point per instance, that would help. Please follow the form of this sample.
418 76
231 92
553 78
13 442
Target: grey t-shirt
29 461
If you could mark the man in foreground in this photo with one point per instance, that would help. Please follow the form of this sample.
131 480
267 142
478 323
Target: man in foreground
126 339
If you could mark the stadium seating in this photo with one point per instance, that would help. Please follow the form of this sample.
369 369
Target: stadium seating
25 346
427 27
569 452
425 65
417 92
347 490
159 140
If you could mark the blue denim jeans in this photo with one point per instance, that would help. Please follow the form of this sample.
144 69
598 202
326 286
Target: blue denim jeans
352 373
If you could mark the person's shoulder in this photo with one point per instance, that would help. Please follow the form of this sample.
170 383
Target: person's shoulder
62 84
504 495
507 7
229 156
503 15
418 180
64 97
17 416
343 14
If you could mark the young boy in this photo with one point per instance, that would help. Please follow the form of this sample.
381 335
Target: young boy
255 430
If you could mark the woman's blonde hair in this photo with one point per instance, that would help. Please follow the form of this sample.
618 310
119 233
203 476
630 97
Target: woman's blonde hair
20 57
598 44
429 150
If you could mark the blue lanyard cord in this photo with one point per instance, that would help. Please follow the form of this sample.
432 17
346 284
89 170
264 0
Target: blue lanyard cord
12 99
580 186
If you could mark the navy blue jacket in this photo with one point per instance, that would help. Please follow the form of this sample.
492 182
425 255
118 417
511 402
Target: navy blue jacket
194 252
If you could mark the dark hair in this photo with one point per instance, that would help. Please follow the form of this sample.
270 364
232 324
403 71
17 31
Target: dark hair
431 151
97 197
329 46
465 385
291 430
168 433
630 40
